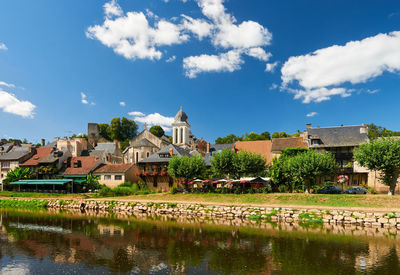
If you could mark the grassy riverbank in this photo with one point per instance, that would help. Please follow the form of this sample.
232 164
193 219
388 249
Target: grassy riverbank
381 202
276 199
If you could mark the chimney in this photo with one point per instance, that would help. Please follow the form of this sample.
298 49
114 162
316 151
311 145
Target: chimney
43 142
171 152
109 158
208 148
308 125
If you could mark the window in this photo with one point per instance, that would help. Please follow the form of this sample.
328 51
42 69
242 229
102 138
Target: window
118 177
181 136
137 157
5 164
147 154
107 177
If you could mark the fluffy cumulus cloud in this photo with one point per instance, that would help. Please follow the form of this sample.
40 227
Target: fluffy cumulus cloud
8 85
270 67
135 113
312 114
9 103
153 119
132 36
225 62
3 47
321 73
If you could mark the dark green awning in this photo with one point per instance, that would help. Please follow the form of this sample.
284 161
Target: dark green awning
42 182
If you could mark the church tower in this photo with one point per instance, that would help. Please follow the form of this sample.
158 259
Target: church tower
181 135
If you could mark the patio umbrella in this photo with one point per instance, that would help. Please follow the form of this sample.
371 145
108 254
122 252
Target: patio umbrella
206 181
216 181
229 182
198 180
191 182
244 181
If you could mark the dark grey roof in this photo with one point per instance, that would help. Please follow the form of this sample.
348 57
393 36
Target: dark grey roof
338 136
219 147
52 157
155 158
5 147
108 147
16 153
165 138
144 142
181 116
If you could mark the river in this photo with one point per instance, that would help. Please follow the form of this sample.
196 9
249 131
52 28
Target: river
66 243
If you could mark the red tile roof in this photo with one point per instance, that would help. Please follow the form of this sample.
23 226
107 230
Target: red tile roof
261 147
87 165
40 154
114 168
279 144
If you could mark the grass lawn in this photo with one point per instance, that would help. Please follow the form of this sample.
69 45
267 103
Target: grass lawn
13 194
276 199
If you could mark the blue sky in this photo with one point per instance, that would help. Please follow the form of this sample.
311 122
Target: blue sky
235 66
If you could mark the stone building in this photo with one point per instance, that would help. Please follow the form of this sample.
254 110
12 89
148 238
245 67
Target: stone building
280 144
181 134
113 175
144 145
341 142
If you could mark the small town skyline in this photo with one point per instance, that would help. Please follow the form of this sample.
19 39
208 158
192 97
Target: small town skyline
73 73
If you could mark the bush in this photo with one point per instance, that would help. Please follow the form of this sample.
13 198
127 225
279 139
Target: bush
105 191
142 186
174 190
125 184
122 191
283 188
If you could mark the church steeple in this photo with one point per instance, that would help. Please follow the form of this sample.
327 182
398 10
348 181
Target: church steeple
181 129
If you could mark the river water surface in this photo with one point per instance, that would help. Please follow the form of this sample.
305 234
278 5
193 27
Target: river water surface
43 243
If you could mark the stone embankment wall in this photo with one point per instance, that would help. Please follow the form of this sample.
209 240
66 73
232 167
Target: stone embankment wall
282 215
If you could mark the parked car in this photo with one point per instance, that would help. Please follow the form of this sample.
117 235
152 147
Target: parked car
330 190
356 190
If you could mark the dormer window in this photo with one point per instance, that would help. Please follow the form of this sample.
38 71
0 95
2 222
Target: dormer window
316 141
164 155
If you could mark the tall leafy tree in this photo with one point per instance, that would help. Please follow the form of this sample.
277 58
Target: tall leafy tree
104 131
309 165
157 130
186 167
266 135
223 163
128 129
228 139
381 155
250 165
276 135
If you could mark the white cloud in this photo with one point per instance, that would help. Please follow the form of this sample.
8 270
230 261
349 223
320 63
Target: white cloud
200 27
258 53
153 119
322 71
85 101
270 67
312 114
132 37
5 84
3 47
9 103
112 9
225 62
122 103
372 91
171 59
273 86
135 113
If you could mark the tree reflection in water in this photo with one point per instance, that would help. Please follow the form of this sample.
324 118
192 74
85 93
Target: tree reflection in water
151 246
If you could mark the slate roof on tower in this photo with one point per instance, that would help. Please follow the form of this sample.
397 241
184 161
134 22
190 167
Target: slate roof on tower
181 116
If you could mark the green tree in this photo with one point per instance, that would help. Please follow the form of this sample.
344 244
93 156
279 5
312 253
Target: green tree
157 130
276 135
283 134
18 174
381 155
250 165
115 129
223 163
307 166
228 139
186 167
92 182
128 129
104 131
266 135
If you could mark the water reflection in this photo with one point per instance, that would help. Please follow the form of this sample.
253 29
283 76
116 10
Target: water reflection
42 243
